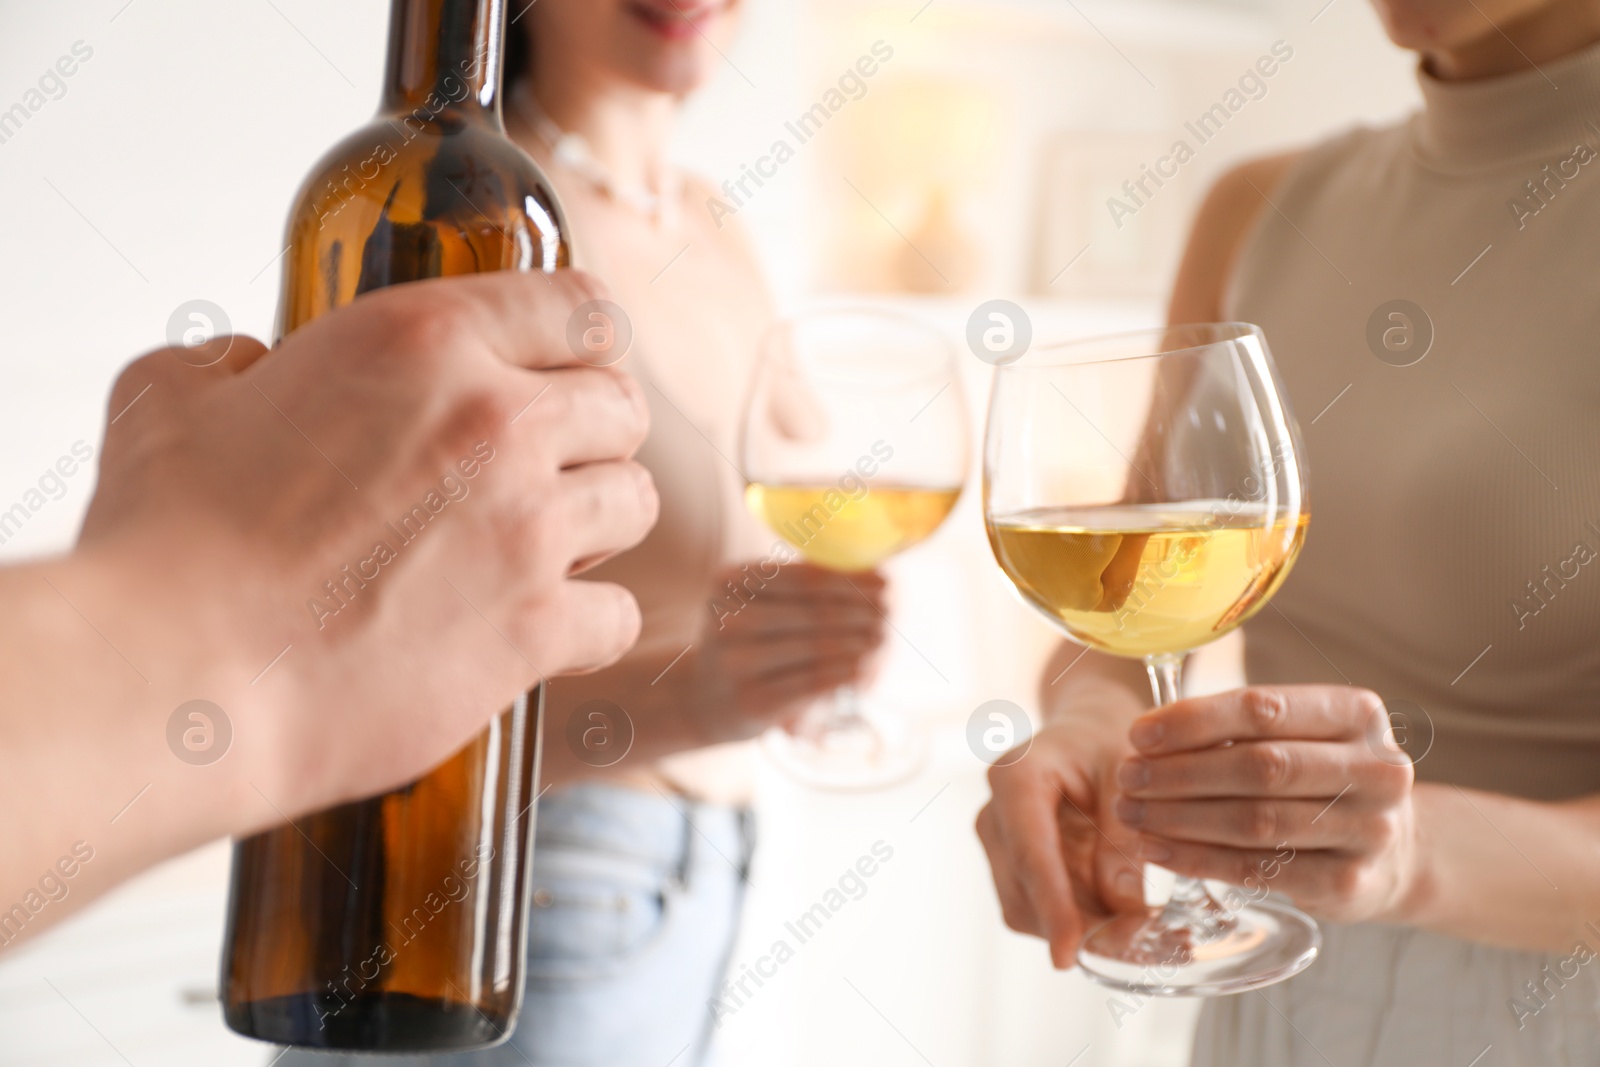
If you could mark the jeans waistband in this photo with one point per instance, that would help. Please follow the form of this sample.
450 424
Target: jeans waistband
667 830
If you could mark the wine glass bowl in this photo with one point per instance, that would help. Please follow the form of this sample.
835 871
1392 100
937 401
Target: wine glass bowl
1145 503
1147 493
854 448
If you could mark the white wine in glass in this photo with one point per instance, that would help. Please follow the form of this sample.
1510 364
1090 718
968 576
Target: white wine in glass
863 532
1146 579
1147 493
855 448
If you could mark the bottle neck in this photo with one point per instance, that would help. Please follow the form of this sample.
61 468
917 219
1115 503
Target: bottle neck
445 58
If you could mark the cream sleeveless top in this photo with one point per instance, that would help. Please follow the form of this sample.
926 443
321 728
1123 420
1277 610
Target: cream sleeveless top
698 309
1453 560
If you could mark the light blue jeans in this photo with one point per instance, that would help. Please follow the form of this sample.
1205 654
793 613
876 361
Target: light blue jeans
636 902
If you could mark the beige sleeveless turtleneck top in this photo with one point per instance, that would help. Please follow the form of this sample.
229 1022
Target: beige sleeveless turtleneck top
1453 559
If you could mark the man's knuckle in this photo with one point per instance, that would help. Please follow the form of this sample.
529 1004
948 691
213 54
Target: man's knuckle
550 535
139 372
528 538
647 498
558 404
581 507
1002 779
430 327
481 414
636 408
586 288
136 377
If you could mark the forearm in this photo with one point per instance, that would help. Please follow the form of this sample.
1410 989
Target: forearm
655 693
1082 684
1505 871
92 792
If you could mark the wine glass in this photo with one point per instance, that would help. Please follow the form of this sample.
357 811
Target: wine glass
854 447
1146 492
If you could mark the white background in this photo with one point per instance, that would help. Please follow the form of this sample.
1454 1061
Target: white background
164 174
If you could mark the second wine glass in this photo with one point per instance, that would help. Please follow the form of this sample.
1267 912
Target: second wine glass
855 446
1146 492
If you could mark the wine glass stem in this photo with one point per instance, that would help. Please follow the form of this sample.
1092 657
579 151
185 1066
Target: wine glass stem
1190 898
1166 677
840 710
844 708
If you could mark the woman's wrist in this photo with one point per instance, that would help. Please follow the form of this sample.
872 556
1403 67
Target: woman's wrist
1100 706
1467 879
1416 900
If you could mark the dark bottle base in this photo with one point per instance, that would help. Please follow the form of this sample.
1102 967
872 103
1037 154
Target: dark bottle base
369 1022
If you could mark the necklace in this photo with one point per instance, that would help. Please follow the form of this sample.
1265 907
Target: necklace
571 152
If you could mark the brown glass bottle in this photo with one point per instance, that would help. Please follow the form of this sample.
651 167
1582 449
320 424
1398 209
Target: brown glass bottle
397 924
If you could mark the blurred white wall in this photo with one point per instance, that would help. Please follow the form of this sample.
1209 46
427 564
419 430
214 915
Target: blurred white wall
164 173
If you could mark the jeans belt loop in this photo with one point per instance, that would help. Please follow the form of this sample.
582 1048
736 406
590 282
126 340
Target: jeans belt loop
747 842
681 877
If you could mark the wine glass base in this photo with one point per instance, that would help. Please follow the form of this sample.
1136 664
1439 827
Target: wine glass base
869 753
1265 943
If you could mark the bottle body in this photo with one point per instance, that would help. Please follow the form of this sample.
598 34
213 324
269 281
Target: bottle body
398 923
395 923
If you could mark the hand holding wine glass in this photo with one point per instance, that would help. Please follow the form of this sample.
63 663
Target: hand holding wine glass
1061 861
1307 797
855 448
1147 494
1299 787
792 636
